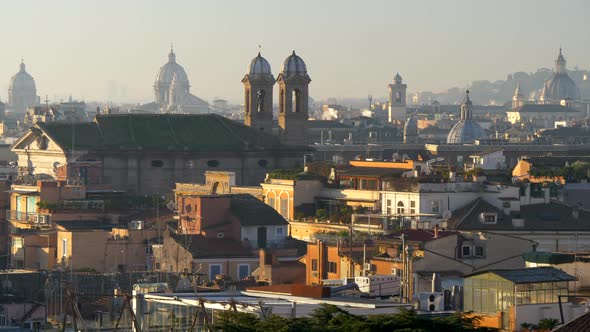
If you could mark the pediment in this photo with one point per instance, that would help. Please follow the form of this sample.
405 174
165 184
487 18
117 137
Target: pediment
36 140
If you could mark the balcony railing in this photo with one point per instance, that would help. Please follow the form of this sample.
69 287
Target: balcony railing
28 218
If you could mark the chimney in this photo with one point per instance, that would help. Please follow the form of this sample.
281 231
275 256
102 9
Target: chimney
436 231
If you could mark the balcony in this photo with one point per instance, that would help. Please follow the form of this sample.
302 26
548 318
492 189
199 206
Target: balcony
36 219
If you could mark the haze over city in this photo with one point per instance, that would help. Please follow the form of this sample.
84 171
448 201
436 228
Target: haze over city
352 48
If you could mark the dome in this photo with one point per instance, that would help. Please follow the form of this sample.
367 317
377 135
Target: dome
465 132
293 65
560 86
22 81
259 66
397 78
171 68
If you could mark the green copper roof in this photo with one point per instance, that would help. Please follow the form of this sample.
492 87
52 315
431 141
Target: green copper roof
161 132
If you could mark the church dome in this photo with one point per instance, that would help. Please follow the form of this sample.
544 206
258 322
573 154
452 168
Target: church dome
259 66
171 68
467 130
293 65
560 86
22 81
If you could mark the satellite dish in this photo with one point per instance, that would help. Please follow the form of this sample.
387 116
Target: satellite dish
447 215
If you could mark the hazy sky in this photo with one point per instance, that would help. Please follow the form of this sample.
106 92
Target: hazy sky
351 48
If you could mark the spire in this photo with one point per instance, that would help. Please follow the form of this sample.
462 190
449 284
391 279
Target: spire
171 55
560 62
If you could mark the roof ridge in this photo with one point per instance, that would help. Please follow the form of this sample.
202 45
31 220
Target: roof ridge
222 120
477 200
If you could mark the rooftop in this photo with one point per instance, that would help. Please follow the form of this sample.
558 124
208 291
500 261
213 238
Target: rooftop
419 235
530 275
202 247
161 132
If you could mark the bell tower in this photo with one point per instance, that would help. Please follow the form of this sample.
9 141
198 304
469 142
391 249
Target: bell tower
258 85
293 100
397 99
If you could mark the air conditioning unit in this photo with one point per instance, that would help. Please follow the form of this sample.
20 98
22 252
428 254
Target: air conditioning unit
367 266
434 301
136 224
41 219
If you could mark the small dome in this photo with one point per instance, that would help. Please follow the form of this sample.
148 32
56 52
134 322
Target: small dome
293 65
22 81
465 132
171 68
259 66
397 78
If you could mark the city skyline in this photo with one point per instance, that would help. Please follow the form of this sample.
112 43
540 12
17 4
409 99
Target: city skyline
351 55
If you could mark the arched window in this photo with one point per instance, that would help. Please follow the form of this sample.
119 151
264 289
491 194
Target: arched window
215 189
247 103
282 101
400 207
296 100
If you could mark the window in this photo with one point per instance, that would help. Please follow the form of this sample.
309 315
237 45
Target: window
243 271
271 202
435 206
220 235
285 208
157 163
347 183
279 231
17 242
214 270
489 218
478 251
400 207
413 207
64 248
332 267
388 206
213 163
314 264
466 251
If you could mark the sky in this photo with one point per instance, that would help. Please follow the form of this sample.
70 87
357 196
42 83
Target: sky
112 49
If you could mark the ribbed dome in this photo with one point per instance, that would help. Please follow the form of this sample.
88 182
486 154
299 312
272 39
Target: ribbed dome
259 66
22 81
560 86
293 65
168 70
467 130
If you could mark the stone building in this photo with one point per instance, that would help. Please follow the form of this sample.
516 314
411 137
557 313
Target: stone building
149 153
22 91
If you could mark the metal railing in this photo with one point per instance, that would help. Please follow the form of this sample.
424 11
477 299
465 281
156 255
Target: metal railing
28 217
